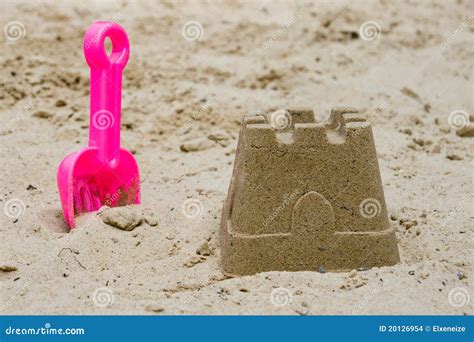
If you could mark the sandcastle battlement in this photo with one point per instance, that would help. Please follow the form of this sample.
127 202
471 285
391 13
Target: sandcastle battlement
297 126
304 195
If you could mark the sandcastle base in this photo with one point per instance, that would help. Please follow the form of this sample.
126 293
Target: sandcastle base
344 251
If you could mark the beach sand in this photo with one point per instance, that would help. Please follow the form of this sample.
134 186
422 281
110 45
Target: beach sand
180 93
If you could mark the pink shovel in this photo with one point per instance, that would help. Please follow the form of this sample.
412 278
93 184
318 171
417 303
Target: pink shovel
102 173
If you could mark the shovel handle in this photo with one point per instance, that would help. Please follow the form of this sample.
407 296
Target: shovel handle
106 86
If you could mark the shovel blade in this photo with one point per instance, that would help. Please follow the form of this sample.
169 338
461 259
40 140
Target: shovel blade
86 183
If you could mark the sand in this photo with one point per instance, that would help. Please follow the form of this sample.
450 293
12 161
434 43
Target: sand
183 101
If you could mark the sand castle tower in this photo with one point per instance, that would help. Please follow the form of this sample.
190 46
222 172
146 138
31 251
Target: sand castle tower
305 196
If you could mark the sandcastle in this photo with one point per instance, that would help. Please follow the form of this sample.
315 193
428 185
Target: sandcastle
305 196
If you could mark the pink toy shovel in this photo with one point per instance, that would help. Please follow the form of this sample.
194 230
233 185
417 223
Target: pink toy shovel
102 173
